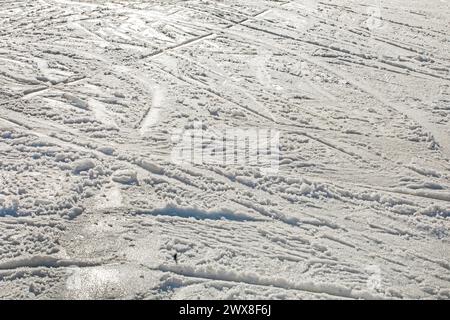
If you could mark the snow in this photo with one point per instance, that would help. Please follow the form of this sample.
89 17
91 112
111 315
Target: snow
83 165
278 150
125 176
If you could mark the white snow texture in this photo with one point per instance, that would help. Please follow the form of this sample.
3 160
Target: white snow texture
235 149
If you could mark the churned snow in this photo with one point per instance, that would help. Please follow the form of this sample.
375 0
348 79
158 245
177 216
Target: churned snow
237 149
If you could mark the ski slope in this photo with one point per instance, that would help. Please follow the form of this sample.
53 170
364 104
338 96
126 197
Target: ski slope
112 187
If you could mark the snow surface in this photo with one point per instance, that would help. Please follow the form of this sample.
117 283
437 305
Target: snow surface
99 101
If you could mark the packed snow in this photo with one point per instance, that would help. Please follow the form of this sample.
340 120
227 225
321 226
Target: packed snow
235 149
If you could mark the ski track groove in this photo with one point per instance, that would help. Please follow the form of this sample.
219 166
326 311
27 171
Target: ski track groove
328 234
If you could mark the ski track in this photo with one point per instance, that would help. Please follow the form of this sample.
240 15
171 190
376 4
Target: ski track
92 204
